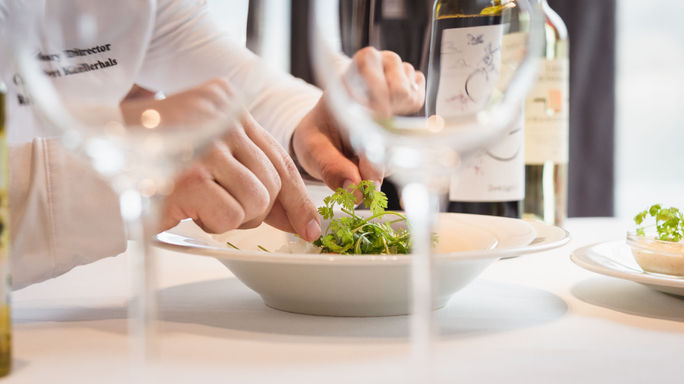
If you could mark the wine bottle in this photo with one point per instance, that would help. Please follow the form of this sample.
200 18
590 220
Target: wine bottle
5 323
470 41
546 129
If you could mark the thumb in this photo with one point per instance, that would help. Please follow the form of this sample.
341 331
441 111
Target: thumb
371 171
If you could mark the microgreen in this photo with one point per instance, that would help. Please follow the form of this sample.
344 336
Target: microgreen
669 222
352 234
228 243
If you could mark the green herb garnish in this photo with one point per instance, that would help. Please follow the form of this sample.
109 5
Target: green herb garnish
669 222
235 247
352 234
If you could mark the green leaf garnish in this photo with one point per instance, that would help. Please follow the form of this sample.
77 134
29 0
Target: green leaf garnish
669 222
235 247
352 234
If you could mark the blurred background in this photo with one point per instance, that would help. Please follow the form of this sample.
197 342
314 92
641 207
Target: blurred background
627 76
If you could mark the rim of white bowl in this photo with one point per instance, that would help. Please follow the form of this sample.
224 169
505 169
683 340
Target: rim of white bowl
227 254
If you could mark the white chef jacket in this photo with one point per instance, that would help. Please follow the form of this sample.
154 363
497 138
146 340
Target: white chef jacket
62 213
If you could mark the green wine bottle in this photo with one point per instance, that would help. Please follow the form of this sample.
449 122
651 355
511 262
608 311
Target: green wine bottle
547 129
470 43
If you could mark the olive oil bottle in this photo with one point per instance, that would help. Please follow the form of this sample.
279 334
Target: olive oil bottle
5 322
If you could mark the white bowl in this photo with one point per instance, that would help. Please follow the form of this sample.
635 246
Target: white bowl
361 285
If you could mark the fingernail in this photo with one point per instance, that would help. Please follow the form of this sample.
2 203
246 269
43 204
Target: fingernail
347 183
313 230
377 184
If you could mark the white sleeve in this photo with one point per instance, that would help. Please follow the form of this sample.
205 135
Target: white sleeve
187 49
62 214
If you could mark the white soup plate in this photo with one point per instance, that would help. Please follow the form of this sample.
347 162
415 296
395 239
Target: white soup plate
362 285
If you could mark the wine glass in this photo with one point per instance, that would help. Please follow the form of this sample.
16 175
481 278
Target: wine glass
421 152
77 60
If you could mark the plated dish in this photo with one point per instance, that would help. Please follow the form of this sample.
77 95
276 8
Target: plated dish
362 285
615 259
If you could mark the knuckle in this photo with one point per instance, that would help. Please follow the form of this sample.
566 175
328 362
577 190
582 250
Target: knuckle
391 57
260 203
233 139
271 179
222 84
277 186
289 167
231 217
202 106
257 202
399 91
329 173
191 178
365 57
219 155
367 52
231 220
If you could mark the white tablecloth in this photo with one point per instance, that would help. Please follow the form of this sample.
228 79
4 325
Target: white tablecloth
537 318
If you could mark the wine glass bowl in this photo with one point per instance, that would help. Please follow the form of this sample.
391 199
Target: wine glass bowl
482 61
491 85
76 63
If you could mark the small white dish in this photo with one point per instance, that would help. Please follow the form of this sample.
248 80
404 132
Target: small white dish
657 256
615 259
362 285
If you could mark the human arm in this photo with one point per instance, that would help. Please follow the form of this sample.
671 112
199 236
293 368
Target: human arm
62 214
189 49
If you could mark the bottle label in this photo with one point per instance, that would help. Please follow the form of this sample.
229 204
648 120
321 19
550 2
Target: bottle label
495 173
546 114
470 62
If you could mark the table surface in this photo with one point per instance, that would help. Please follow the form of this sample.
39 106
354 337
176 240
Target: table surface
535 318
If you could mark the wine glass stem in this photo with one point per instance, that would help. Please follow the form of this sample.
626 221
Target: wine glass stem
138 212
421 210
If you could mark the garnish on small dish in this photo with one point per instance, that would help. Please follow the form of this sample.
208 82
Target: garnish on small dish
658 246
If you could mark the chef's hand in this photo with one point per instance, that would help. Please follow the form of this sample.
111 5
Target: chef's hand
243 179
390 87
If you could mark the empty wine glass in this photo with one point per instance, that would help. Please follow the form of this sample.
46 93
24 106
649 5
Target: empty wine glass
478 93
76 61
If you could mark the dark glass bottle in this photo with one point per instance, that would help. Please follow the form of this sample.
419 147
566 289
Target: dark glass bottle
466 35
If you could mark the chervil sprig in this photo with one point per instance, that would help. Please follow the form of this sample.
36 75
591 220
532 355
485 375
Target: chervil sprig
352 234
669 222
